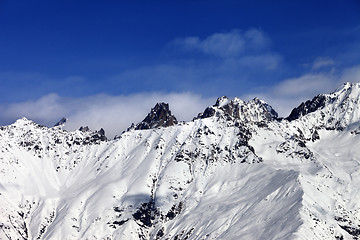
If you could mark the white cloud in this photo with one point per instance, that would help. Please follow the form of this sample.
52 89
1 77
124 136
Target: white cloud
308 84
322 62
42 107
231 57
256 39
226 44
239 50
223 44
113 113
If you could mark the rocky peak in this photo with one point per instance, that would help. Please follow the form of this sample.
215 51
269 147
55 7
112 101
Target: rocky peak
254 110
95 136
265 108
61 122
99 135
221 101
159 116
309 106
336 110
84 129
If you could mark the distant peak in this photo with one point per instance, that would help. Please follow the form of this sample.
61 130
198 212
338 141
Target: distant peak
84 129
159 116
23 121
61 122
254 110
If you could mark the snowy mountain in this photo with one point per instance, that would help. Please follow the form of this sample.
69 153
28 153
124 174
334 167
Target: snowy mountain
236 171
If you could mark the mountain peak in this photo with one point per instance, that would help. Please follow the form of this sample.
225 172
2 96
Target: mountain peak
335 110
23 121
159 116
348 85
61 122
309 106
221 101
347 90
254 110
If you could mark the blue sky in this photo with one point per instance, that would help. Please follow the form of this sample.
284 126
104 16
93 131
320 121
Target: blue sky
83 53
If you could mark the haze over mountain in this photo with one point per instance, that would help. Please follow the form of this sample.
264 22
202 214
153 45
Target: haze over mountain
236 171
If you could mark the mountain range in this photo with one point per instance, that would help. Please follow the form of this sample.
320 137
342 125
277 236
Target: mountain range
236 171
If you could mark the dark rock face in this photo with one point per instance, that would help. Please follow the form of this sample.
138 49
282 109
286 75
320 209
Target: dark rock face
146 214
96 137
61 122
84 129
209 112
307 107
231 110
159 116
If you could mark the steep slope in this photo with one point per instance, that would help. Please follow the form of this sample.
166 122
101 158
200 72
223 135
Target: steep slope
234 172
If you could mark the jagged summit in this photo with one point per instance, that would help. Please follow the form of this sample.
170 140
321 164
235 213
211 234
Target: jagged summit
61 122
159 116
95 135
254 110
336 110
84 129
222 101
99 135
309 106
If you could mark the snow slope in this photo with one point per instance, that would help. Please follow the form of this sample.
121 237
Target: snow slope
235 172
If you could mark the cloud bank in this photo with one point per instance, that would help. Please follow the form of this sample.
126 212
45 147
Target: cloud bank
113 113
116 113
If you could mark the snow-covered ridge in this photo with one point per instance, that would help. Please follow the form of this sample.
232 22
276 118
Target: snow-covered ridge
234 172
336 110
254 110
